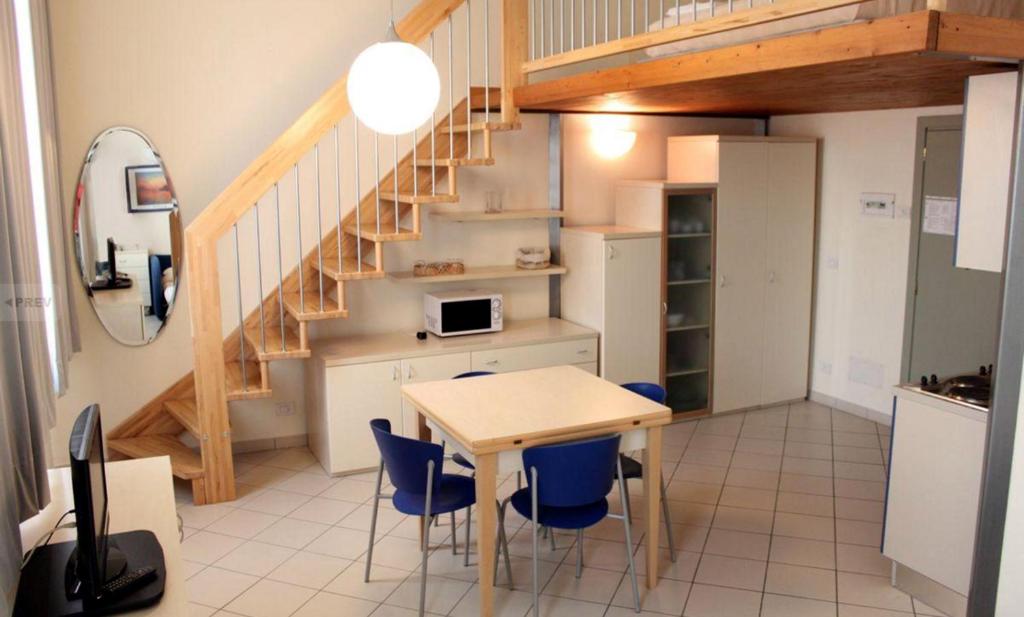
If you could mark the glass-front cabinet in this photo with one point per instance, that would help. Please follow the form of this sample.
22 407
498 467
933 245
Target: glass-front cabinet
689 272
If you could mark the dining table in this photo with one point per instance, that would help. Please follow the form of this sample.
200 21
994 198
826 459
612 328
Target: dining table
491 419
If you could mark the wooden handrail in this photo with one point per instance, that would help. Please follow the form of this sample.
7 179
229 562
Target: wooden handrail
232 204
781 9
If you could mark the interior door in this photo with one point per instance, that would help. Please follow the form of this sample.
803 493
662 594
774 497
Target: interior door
740 268
632 313
955 310
790 258
432 368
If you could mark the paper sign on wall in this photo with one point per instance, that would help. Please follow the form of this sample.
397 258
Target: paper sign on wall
939 215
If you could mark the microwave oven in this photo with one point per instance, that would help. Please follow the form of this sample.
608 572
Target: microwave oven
466 311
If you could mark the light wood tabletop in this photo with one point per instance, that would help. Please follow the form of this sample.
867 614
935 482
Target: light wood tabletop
501 414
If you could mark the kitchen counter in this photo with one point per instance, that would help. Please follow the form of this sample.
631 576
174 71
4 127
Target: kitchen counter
398 345
915 393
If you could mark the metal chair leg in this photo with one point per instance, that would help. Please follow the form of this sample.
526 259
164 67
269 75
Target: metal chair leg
668 521
579 553
533 516
454 549
465 549
629 538
625 491
502 545
426 537
373 520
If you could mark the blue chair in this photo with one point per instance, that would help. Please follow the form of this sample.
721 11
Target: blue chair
632 468
421 489
567 488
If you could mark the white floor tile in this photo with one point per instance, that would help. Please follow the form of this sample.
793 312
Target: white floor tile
731 572
383 581
216 587
442 594
291 533
321 510
206 548
801 581
710 601
874 591
243 523
269 598
788 606
332 605
255 558
275 502
667 598
309 569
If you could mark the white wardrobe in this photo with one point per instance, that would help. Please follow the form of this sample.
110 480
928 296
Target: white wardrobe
763 243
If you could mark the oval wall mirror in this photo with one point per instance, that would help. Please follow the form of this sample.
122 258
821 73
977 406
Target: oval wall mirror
127 234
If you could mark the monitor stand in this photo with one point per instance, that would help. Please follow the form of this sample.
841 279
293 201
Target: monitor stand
121 282
117 563
42 589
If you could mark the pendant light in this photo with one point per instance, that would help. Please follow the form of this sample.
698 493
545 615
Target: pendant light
393 87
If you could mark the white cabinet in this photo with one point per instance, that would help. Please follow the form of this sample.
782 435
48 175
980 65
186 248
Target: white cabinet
352 396
351 381
986 167
430 368
614 286
763 264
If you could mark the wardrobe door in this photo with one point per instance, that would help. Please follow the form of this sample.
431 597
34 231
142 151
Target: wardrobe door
740 275
790 248
631 339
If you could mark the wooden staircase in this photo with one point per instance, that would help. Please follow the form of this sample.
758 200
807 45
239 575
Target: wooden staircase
154 430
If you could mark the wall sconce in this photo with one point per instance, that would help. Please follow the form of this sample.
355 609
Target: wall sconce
610 135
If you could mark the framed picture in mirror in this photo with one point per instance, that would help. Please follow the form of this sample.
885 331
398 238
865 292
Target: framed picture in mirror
148 189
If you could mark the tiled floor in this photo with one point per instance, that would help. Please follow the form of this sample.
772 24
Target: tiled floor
776 513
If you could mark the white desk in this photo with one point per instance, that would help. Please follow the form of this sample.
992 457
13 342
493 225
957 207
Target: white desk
141 496
493 418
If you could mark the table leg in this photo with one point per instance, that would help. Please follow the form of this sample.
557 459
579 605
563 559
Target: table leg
486 493
652 499
423 433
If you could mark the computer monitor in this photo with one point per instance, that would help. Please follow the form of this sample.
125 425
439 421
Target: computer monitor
111 261
94 561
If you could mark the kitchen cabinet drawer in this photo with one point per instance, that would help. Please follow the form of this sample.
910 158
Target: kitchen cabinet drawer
535 356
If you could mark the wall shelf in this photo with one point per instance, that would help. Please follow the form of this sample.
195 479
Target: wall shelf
467 216
703 234
691 371
687 328
690 282
477 274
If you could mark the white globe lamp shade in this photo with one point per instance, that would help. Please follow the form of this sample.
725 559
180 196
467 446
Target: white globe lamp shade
393 87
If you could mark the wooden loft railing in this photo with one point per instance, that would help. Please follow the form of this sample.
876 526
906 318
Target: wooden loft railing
561 36
236 367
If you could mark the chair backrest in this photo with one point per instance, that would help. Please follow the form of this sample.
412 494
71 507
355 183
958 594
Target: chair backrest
573 473
647 390
406 459
473 374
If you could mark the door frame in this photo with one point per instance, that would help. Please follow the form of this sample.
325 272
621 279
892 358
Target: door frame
924 124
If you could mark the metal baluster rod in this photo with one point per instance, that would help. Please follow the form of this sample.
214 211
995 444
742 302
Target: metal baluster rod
572 25
487 61
561 27
607 20
337 193
394 177
376 176
298 237
679 15
662 5
647 15
693 3
280 265
415 169
241 320
469 80
618 18
259 277
319 228
583 22
433 124
359 198
451 95
541 31
632 17
593 23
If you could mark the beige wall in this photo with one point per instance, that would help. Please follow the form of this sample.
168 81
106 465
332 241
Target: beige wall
589 180
212 84
861 261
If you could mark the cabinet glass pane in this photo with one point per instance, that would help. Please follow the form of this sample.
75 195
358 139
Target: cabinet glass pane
690 270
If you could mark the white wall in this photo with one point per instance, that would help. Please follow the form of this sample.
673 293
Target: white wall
589 180
861 262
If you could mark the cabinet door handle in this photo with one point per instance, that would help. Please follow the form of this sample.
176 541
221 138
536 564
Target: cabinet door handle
394 373
583 352
491 363
771 276
722 281
408 372
611 251
664 308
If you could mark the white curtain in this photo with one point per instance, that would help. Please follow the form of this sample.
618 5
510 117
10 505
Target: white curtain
27 397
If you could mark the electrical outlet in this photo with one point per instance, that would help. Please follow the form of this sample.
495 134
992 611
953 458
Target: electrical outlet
286 409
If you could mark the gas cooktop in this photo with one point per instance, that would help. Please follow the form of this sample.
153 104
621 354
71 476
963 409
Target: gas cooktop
973 389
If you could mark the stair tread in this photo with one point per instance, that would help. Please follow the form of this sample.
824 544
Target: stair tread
185 463
249 388
310 310
274 350
461 162
185 411
484 126
387 233
350 270
422 198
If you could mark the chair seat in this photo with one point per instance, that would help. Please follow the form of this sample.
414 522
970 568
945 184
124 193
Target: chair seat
576 517
631 468
458 459
456 492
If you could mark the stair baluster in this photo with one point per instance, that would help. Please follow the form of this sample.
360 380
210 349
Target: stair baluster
280 267
433 124
298 238
259 277
469 80
376 177
394 177
319 229
337 196
241 317
359 196
451 96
